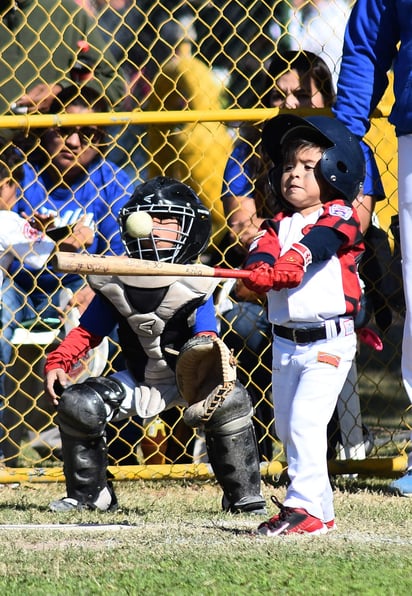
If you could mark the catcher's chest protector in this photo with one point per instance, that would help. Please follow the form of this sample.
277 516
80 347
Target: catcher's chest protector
149 326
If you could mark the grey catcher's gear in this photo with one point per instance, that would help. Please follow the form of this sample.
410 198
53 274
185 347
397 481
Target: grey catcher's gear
154 325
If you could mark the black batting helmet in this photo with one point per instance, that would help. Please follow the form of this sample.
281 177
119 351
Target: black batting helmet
342 164
164 197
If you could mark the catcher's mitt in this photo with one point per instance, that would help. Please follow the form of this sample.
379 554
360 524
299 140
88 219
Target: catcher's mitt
205 375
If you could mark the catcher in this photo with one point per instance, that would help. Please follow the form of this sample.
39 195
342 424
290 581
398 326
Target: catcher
168 336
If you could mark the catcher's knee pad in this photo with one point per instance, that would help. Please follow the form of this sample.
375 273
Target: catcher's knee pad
84 408
233 453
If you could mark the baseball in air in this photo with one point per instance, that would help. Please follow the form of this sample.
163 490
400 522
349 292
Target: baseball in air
139 224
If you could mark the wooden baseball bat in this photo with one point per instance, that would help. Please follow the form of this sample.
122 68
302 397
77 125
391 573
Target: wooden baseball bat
71 262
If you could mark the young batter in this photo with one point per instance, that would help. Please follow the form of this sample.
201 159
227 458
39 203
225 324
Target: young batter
305 259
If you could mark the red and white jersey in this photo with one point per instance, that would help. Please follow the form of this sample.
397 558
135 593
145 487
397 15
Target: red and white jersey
18 239
331 288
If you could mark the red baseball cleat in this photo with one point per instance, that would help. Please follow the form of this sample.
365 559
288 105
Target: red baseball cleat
292 520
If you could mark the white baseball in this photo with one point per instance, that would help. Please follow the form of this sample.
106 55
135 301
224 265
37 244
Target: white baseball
139 224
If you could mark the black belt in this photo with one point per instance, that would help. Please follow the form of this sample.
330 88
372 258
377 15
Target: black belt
303 335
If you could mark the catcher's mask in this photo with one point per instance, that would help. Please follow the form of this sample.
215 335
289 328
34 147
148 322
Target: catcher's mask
166 198
342 164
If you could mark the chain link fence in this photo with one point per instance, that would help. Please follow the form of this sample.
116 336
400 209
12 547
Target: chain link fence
182 78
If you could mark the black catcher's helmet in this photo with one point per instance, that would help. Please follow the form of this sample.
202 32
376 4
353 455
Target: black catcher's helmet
342 164
163 198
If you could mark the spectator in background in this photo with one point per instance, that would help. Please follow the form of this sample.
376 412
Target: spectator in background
318 26
377 38
44 45
18 239
134 33
194 152
124 28
235 40
67 182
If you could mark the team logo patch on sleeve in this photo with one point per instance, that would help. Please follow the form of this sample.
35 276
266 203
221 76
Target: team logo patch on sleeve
342 211
329 359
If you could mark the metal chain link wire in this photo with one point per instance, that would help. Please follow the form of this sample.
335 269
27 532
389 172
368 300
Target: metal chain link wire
181 77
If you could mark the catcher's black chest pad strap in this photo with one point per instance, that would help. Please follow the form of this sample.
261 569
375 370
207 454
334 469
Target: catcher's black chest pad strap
145 300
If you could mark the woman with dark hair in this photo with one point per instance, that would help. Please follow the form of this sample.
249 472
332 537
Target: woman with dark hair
316 85
68 182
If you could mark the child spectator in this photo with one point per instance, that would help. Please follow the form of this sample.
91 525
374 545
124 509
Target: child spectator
18 239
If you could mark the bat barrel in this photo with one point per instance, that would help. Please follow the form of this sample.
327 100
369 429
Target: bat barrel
116 265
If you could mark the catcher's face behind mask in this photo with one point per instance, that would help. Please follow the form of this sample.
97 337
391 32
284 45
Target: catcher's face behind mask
181 224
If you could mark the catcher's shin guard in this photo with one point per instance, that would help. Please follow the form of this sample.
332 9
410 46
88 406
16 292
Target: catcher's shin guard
85 465
82 414
233 453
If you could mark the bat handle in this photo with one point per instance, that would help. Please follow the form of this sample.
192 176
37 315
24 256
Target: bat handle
231 273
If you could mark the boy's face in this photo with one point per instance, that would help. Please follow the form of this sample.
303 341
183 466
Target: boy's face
8 194
165 233
299 184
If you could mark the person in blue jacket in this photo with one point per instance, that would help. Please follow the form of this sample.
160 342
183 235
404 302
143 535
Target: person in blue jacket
378 37
69 189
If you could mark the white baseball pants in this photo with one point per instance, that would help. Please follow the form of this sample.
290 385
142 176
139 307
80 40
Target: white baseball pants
306 386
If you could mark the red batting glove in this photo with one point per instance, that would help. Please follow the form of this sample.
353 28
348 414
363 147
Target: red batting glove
290 268
261 277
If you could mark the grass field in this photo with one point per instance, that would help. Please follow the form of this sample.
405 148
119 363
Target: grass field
170 538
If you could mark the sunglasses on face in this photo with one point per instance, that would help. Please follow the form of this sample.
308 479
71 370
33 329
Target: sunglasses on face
304 97
88 135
